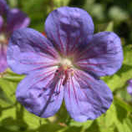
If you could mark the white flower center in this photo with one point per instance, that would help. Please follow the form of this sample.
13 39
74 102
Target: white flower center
65 69
66 61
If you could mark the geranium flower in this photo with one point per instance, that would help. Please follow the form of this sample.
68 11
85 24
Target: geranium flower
15 19
129 88
67 64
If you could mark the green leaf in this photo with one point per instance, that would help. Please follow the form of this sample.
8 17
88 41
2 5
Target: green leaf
3 96
123 104
110 27
124 119
116 119
106 121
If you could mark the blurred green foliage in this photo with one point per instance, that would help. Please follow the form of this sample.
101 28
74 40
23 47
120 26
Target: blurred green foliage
108 15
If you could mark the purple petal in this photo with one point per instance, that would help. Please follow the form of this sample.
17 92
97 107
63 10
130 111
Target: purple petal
29 51
1 22
68 28
129 82
41 93
3 60
86 98
16 19
129 88
3 7
103 56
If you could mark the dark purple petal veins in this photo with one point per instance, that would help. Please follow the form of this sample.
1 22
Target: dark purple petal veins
86 98
29 51
68 29
41 93
103 55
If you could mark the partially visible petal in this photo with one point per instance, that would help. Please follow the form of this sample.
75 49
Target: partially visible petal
16 19
1 22
129 88
3 60
3 7
103 55
41 93
29 50
69 28
86 98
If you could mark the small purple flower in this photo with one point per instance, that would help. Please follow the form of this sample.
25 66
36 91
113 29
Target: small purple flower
3 7
65 65
129 88
15 19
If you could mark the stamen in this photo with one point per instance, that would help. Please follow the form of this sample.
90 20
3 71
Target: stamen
66 78
64 70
